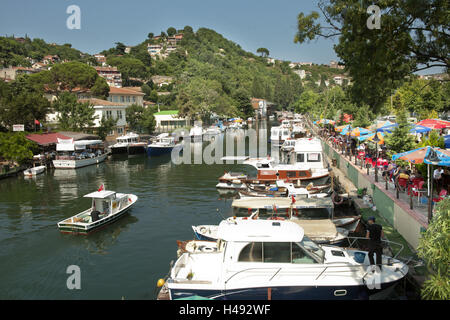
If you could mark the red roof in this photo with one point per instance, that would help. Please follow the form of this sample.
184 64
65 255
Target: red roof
46 139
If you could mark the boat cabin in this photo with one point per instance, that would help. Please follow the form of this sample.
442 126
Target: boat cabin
128 138
107 202
268 242
67 149
273 207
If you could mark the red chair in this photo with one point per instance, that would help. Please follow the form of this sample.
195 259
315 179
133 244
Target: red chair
402 183
442 195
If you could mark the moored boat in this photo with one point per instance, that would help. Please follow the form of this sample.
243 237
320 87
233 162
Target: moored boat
76 154
264 259
128 144
34 171
107 207
164 144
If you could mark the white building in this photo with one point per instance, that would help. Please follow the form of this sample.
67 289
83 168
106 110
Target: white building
108 109
168 120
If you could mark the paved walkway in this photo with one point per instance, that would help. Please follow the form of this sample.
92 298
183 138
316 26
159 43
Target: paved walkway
419 210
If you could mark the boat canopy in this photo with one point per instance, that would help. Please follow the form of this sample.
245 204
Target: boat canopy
70 145
100 194
308 145
281 202
260 231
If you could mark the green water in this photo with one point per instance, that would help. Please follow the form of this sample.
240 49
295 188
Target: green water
126 258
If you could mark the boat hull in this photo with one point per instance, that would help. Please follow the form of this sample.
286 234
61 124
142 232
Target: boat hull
74 164
132 150
356 292
158 151
119 150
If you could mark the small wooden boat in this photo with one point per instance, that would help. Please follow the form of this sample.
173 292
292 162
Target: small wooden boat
283 189
107 207
31 172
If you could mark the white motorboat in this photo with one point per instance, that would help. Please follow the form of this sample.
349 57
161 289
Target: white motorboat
76 154
164 144
107 207
264 260
279 134
32 172
129 144
314 215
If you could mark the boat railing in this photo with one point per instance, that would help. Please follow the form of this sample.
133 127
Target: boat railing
354 240
312 268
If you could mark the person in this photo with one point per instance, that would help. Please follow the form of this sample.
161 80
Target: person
374 234
437 176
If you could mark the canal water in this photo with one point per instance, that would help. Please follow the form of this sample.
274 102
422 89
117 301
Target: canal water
123 260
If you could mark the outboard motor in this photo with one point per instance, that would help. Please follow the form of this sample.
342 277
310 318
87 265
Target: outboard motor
95 215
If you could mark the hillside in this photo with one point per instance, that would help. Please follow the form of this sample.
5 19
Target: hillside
20 51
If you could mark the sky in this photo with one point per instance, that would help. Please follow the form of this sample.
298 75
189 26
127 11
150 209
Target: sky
250 23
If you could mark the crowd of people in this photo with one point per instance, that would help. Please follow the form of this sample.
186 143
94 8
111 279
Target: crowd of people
406 178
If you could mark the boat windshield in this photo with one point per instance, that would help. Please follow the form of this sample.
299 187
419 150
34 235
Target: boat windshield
312 248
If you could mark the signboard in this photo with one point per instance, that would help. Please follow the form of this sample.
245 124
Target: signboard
18 127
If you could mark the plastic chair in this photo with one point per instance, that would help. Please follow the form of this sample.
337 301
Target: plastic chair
442 195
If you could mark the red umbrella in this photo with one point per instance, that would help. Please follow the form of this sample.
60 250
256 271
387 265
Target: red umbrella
434 123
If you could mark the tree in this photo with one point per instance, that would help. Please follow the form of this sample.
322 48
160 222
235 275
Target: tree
434 248
106 126
15 147
413 37
400 140
120 48
150 36
171 31
307 102
73 115
263 51
147 121
22 102
242 98
134 115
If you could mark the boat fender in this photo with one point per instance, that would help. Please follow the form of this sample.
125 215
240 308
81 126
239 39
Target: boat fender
336 198
129 200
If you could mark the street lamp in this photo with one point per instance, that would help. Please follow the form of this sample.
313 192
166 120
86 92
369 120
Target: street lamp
376 140
433 159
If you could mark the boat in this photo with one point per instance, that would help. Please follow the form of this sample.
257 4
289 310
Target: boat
301 164
196 133
107 207
271 260
76 154
196 246
34 171
314 215
284 189
164 144
279 134
128 144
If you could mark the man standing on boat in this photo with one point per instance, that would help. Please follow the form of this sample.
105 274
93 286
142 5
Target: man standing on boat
374 234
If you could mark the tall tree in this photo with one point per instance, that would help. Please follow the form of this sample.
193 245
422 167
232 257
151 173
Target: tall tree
73 115
171 31
413 36
263 51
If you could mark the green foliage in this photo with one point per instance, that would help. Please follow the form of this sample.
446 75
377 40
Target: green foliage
171 31
13 52
14 147
140 119
362 117
73 115
400 140
434 248
242 98
263 51
307 102
106 126
433 140
22 102
129 68
412 37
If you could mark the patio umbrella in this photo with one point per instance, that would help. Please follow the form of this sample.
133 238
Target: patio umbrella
419 129
340 128
434 123
419 155
388 128
371 136
346 130
358 131
380 124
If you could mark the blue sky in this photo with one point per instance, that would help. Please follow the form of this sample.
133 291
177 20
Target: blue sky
250 23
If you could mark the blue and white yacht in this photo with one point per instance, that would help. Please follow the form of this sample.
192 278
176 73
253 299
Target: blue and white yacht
264 259
164 144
